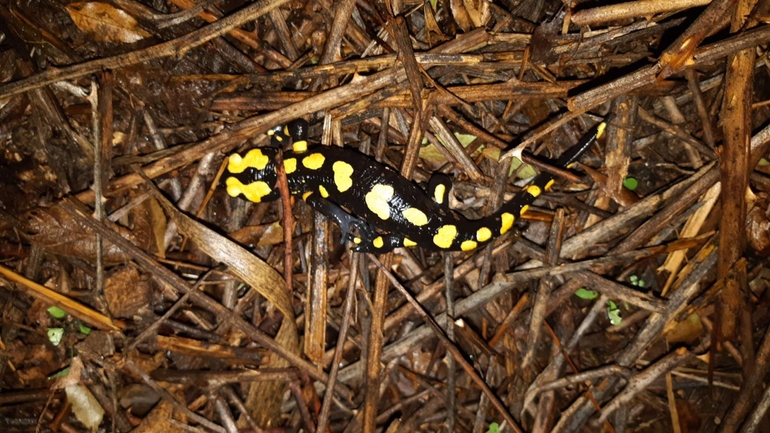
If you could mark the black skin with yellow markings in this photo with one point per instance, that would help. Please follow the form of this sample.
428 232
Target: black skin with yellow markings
386 209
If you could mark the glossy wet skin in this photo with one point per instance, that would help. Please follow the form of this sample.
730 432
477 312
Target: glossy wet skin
386 209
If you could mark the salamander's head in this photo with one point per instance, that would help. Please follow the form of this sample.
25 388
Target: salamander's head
252 175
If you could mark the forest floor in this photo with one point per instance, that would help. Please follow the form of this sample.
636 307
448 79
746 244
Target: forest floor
137 295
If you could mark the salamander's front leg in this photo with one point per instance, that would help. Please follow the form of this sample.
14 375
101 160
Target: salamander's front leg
365 238
340 216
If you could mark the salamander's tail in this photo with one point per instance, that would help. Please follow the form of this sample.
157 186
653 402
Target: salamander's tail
502 221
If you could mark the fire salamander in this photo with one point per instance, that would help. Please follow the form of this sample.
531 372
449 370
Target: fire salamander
386 209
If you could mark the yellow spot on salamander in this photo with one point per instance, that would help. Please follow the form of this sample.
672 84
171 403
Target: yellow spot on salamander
600 129
524 209
409 243
342 171
534 190
306 195
290 165
446 234
278 137
378 242
483 234
439 193
468 245
377 200
550 184
415 216
356 241
286 130
253 191
255 158
313 161
507 222
322 190
299 146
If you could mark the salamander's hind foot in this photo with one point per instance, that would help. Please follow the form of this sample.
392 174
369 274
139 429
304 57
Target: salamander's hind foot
368 240
344 220
359 227
363 237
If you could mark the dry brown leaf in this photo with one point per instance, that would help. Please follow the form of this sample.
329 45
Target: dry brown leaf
261 235
147 362
431 25
149 224
84 405
687 331
126 292
273 235
264 397
139 398
478 11
758 230
56 231
105 23
160 419
460 14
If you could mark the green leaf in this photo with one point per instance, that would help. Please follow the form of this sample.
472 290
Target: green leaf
465 139
613 312
525 172
429 152
763 162
55 335
584 293
494 153
494 428
85 330
434 4
57 312
630 183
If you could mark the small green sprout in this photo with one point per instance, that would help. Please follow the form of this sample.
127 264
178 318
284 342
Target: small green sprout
631 183
55 335
587 294
57 313
613 312
85 330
